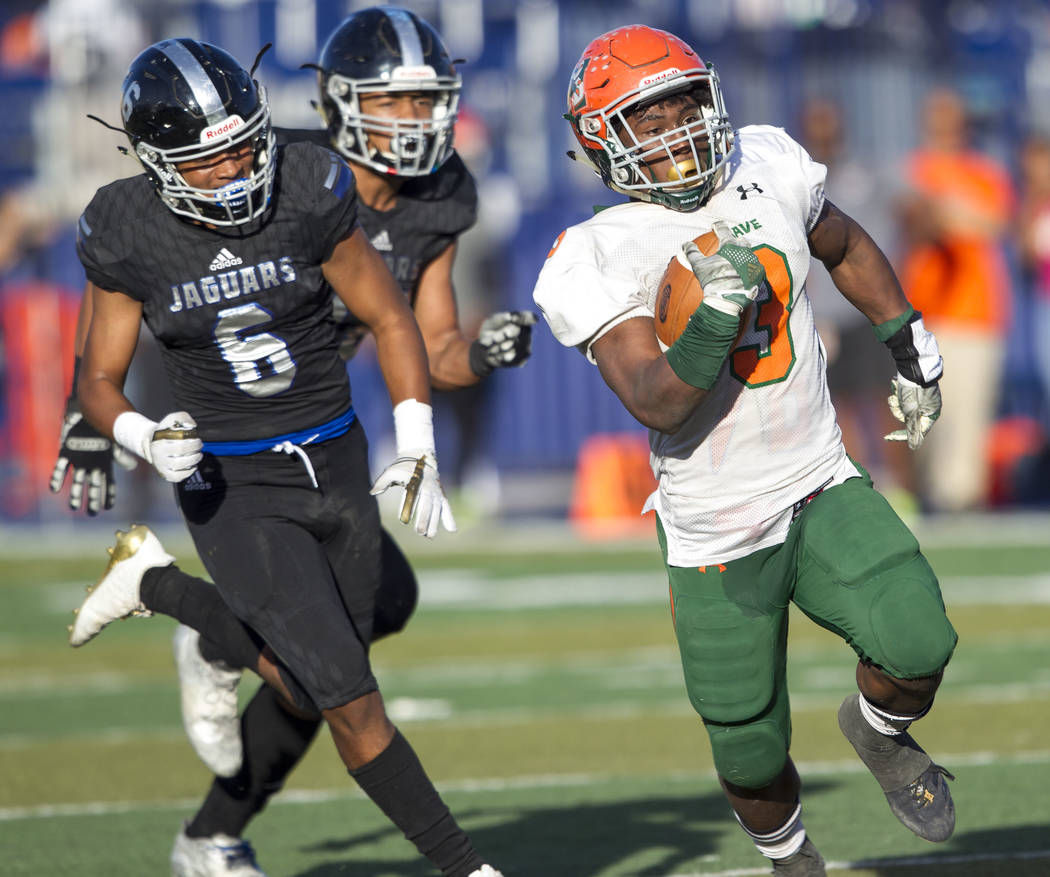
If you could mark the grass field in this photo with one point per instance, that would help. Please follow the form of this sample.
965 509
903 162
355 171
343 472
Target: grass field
540 684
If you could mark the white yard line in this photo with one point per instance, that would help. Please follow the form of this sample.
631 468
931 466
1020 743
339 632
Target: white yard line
440 711
298 797
1006 528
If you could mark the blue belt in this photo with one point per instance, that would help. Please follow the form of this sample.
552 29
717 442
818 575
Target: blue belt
322 433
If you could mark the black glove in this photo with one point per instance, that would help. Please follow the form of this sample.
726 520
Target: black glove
505 340
89 455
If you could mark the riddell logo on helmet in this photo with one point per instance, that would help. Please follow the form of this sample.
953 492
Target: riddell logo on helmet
222 129
424 71
659 77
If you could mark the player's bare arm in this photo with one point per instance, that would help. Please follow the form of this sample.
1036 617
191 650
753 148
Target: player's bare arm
361 279
109 346
863 275
85 456
858 267
448 348
632 364
84 319
108 350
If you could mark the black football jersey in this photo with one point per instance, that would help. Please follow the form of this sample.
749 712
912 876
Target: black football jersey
243 320
429 214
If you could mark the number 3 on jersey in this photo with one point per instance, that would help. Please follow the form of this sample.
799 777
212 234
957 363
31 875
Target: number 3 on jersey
261 363
769 353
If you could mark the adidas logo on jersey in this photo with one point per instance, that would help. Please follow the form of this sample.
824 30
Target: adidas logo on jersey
382 242
196 482
224 259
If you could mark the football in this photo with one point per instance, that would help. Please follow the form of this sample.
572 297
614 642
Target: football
679 292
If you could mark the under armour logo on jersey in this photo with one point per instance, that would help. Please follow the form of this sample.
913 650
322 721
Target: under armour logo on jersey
224 259
752 187
382 241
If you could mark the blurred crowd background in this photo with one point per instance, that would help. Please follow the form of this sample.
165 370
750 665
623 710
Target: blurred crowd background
933 117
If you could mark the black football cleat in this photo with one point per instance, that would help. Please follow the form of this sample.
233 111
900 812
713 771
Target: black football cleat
807 862
915 787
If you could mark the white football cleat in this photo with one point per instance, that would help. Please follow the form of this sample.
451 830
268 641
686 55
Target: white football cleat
209 705
217 856
485 871
116 594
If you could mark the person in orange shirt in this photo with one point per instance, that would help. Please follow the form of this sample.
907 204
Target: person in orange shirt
954 271
1034 241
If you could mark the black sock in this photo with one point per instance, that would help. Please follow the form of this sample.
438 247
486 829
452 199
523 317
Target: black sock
396 782
274 742
198 604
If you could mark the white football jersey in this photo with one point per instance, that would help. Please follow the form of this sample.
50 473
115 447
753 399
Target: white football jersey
766 436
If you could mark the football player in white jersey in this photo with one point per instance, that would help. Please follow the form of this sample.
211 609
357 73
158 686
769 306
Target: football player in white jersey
758 503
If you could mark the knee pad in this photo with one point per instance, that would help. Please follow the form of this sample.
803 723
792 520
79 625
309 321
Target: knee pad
862 561
912 635
732 657
750 755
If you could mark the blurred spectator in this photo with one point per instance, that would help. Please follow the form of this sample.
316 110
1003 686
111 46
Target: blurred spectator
953 269
1034 232
81 44
859 367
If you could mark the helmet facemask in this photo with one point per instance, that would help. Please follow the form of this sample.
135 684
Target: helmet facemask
238 202
417 147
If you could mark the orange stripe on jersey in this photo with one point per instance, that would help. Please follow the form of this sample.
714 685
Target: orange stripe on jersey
556 243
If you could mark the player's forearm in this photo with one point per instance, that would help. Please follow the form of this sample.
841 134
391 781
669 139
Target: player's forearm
101 401
867 280
403 361
664 401
449 357
858 268
650 390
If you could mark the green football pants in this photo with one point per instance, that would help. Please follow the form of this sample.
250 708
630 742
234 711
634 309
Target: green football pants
852 566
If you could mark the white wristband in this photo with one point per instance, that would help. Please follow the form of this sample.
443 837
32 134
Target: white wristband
929 356
413 427
134 431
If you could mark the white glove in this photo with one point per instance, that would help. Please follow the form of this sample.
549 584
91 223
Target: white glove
171 446
505 340
415 469
731 277
424 499
915 406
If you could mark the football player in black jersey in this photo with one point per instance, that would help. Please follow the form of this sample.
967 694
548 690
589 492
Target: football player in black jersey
230 248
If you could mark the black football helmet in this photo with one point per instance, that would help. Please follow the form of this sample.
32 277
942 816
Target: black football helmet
388 49
185 100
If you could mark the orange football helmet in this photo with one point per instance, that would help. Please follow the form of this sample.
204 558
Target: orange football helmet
631 67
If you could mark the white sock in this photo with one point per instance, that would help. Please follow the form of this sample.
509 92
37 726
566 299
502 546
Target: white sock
781 842
890 724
